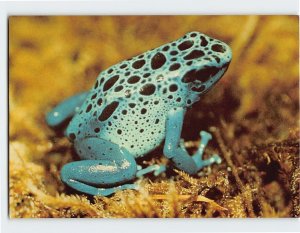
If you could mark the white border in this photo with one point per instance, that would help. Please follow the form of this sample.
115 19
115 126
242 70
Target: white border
128 7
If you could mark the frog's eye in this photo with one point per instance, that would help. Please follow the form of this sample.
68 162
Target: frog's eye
202 75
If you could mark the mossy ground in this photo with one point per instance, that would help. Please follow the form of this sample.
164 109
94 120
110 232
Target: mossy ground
253 114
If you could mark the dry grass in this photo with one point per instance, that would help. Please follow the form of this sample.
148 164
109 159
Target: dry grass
253 114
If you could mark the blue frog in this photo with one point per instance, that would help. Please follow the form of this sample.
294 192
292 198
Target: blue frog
134 106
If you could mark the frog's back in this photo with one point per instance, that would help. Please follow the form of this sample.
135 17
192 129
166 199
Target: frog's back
129 102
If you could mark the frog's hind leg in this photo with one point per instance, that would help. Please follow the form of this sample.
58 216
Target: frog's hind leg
106 169
175 150
65 109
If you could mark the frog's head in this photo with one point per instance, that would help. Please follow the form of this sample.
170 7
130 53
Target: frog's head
205 61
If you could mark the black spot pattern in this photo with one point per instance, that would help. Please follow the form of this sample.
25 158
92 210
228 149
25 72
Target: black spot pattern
157 61
138 64
194 54
147 89
218 48
133 79
185 45
110 82
108 111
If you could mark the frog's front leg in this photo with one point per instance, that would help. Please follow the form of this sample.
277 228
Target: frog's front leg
174 150
106 169
65 109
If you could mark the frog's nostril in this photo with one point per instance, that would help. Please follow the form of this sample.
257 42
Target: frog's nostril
218 48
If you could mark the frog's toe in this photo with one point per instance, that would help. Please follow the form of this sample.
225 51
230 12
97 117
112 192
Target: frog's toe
160 169
216 159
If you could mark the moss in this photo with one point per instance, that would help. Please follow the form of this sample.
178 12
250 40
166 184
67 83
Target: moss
253 114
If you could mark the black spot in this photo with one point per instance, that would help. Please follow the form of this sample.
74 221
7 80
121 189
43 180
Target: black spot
199 89
173 88
188 101
166 48
189 63
146 75
97 130
127 73
170 97
178 99
158 60
119 131
123 66
88 108
132 105
72 136
108 111
118 88
156 121
138 64
143 111
218 48
110 71
156 102
193 34
101 81
175 66
174 52
133 79
185 45
141 130
173 59
216 58
194 54
96 84
124 112
110 82
99 102
203 42
207 58
94 96
147 89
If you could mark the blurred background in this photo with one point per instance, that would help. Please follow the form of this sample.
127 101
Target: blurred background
254 107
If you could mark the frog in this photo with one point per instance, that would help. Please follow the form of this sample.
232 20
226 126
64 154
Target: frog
135 106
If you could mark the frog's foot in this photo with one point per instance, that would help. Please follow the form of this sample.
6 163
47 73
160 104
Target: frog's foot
197 157
98 177
174 148
157 169
107 168
65 109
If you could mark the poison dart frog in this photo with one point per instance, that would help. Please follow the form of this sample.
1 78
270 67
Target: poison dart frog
133 107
